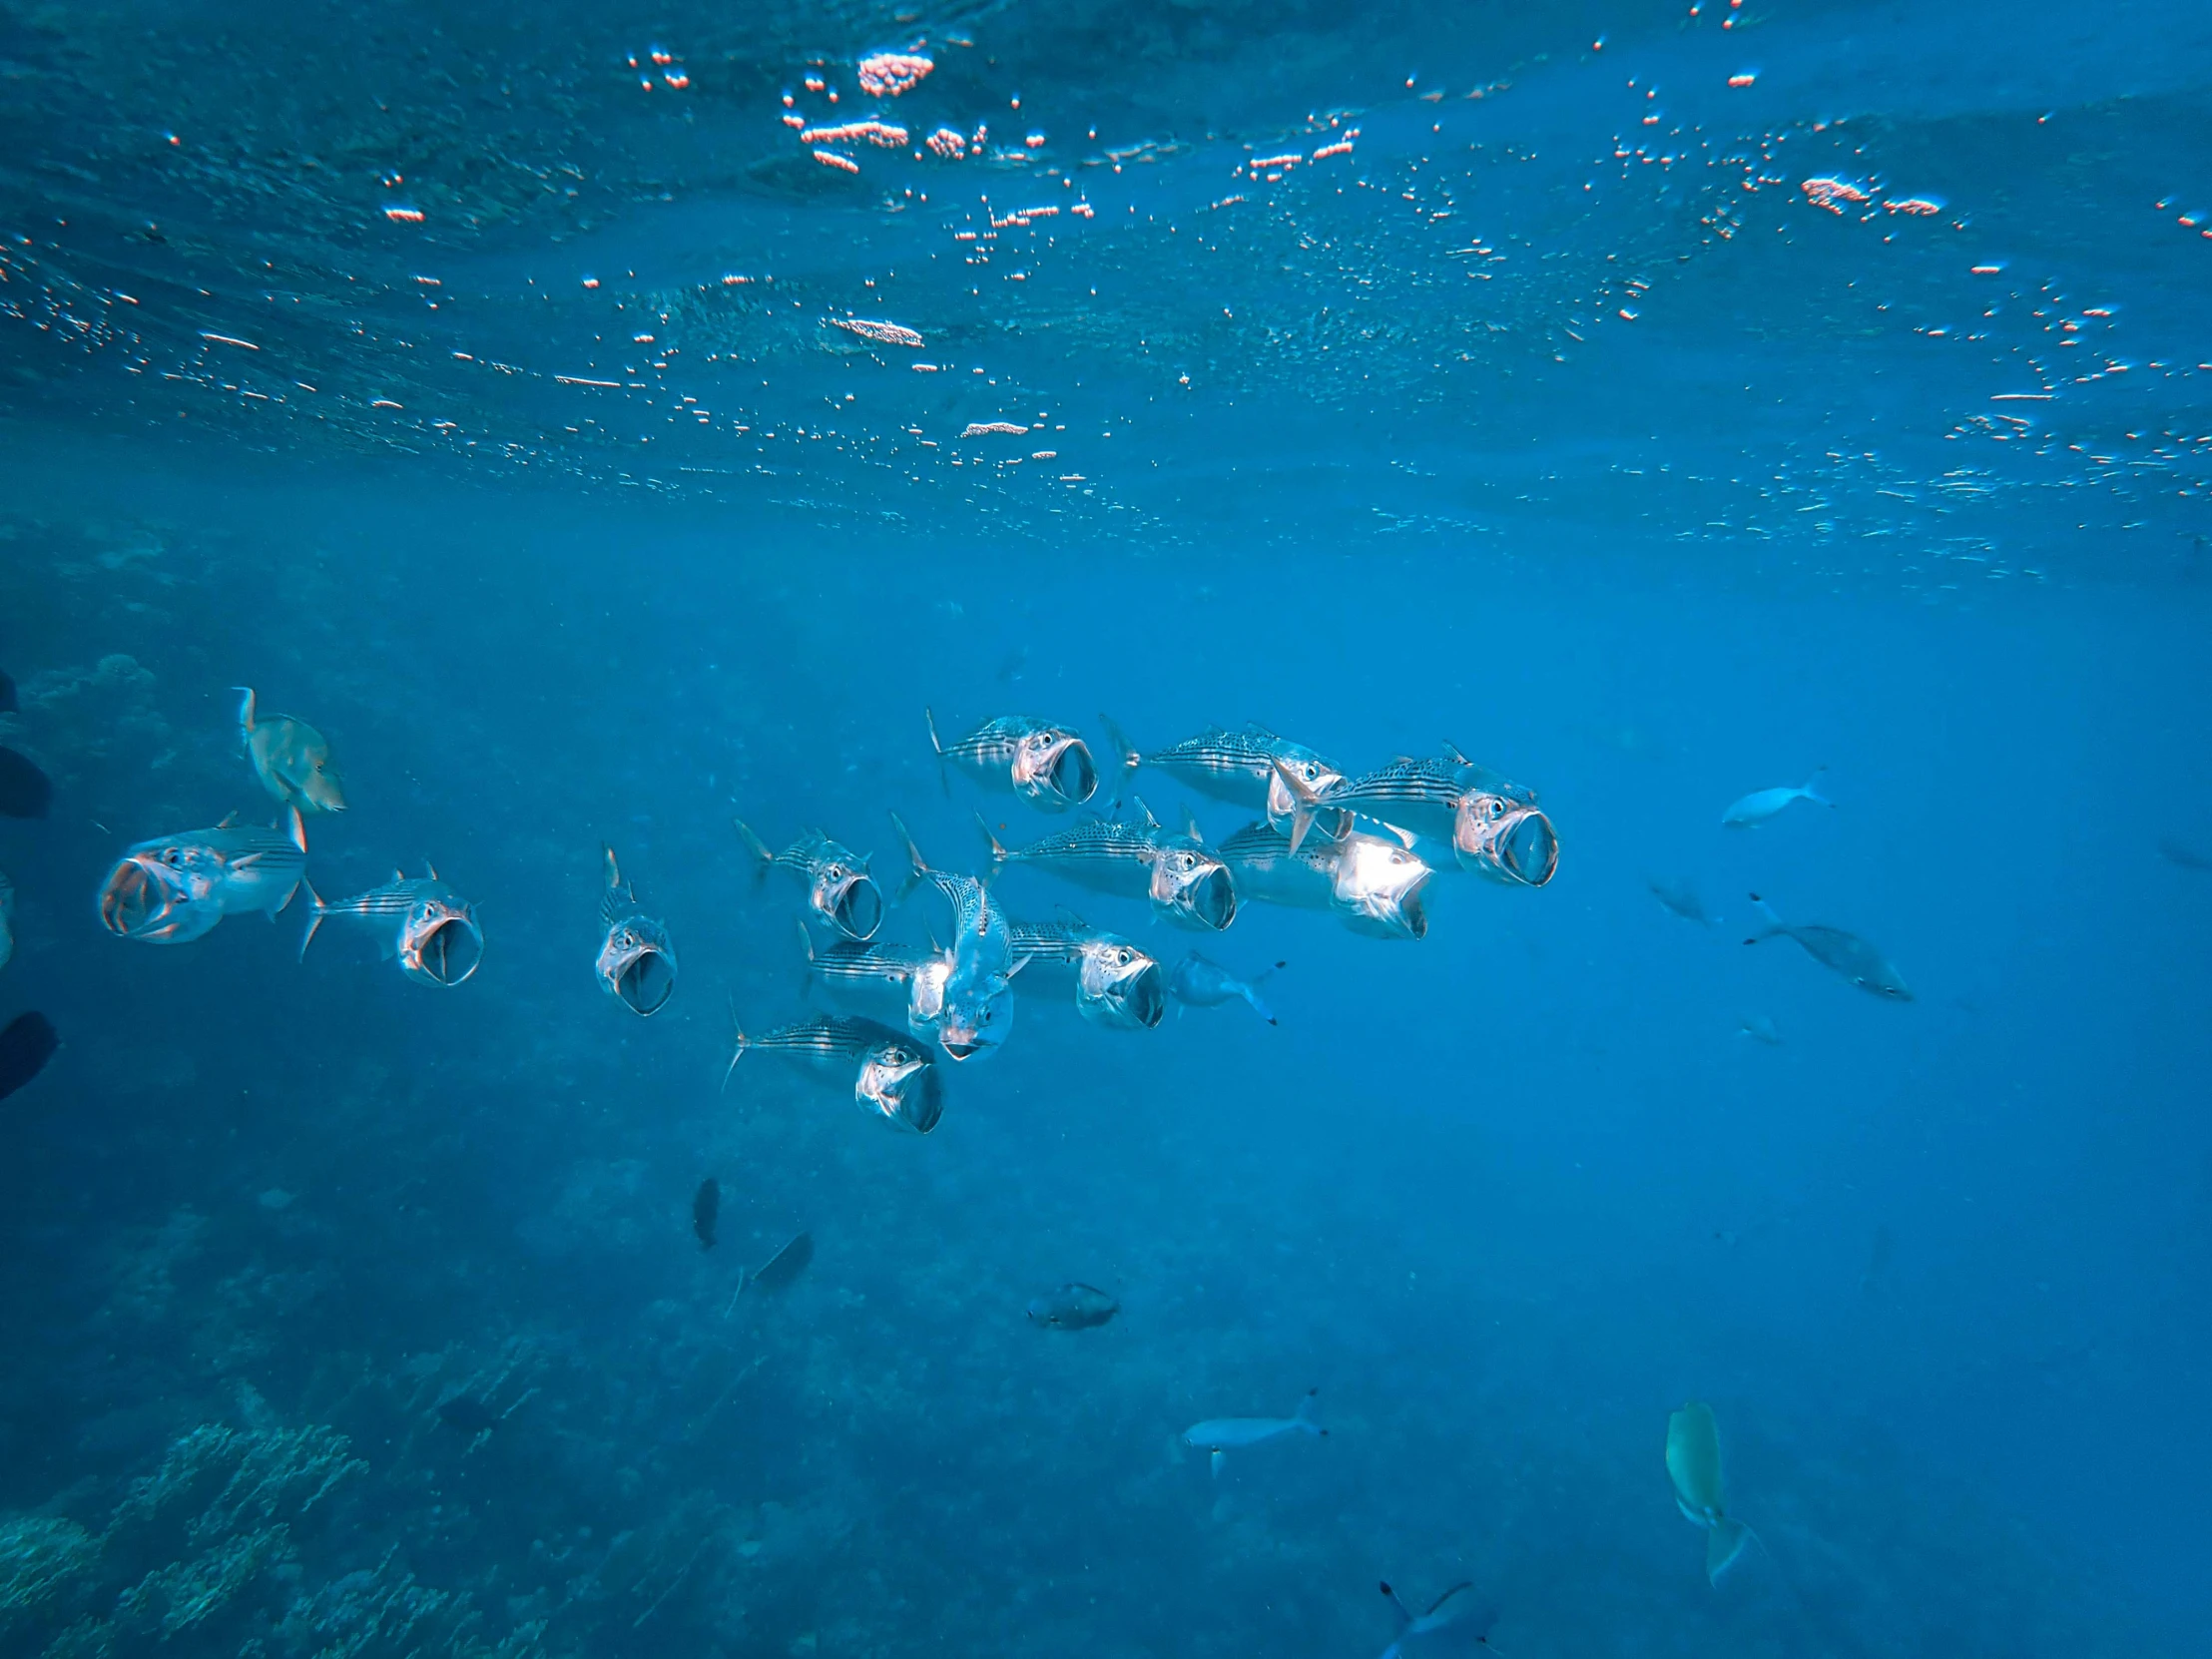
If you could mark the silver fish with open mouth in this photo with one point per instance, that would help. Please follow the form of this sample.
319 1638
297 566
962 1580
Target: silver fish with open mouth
839 889
1185 882
1493 825
419 921
174 888
1373 884
1117 985
918 973
1047 765
979 1011
1240 767
894 1077
636 962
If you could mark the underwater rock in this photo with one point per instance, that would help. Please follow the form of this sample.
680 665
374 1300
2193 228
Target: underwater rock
25 790
46 1562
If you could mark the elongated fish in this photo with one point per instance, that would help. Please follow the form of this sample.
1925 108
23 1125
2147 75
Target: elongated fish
636 964
839 889
1074 1308
1186 884
419 921
1459 1621
1679 898
1116 984
1838 951
290 758
1373 883
979 1011
916 973
1048 765
1761 804
1493 825
1694 1466
1200 983
781 1270
1218 1435
1240 767
894 1077
174 888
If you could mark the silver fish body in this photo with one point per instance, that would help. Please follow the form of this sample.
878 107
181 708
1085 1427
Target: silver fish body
916 973
1117 985
1842 953
1045 764
1185 882
637 961
174 888
1493 825
1373 883
420 922
894 1077
839 887
1239 766
978 998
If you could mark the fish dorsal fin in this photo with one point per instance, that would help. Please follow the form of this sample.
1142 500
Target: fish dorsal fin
399 874
292 826
1190 829
1150 823
432 869
1456 754
614 870
1068 916
228 818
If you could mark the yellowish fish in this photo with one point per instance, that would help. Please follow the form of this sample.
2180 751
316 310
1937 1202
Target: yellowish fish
1694 1464
291 758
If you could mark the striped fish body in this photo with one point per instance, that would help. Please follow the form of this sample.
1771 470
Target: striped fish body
174 888
420 923
918 974
894 1077
637 960
1239 766
1373 883
1492 824
1184 882
1259 856
1046 765
1115 983
836 881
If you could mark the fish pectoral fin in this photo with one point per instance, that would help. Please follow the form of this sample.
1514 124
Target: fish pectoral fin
1215 1460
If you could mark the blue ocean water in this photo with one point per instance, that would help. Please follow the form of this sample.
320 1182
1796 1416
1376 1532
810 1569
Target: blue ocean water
603 425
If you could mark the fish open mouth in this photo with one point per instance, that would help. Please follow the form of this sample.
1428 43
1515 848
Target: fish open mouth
1211 899
1529 850
450 952
135 903
646 984
1414 914
1075 773
857 910
919 1102
962 1046
1144 998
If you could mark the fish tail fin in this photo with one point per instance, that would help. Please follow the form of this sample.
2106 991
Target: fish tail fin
1305 1413
1405 1612
1126 757
739 1045
1813 794
1767 911
317 910
293 825
246 713
917 868
1724 1542
763 859
944 775
613 870
999 852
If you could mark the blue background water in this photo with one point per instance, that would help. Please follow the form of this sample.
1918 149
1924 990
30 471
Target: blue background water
1505 1197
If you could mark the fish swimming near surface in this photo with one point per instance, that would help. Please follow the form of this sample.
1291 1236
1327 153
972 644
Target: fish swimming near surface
1198 983
1116 983
781 1270
25 792
1185 882
978 996
1047 765
1074 1308
1679 898
1840 952
1459 1621
1761 804
706 1209
1240 767
1694 1466
894 1077
839 889
174 888
25 1046
1220 1436
290 758
1493 825
636 964
1373 883
419 921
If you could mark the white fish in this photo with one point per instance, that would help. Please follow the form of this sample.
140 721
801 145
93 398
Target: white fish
1761 804
1694 1466
1457 1622
1219 1436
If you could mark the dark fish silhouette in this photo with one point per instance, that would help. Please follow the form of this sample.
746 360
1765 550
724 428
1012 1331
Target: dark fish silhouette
25 1048
2179 852
25 792
1840 952
468 1414
1679 898
1074 1308
706 1207
779 1271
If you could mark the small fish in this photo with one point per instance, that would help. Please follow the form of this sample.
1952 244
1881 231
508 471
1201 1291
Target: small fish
1219 1436
468 1414
1679 899
25 1048
291 758
25 792
1116 984
839 889
174 888
1457 1622
421 922
1047 765
1838 951
1240 767
1759 1028
706 1209
893 1078
977 1014
781 1270
1755 809
2180 853
1373 883
7 919
1200 983
1074 1308
1694 1466
636 962
1185 882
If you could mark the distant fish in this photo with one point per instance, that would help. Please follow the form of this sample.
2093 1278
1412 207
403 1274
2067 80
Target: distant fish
421 922
1074 1308
7 919
468 1414
636 962
893 1078
1184 880
1117 984
706 1209
1198 983
25 1048
1046 765
174 888
25 792
291 758
1015 661
781 1270
1838 951
1679 899
1759 1028
839 889
1755 809
2188 857
1694 1466
1219 1436
1457 1622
